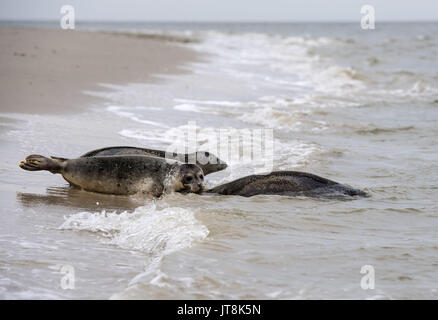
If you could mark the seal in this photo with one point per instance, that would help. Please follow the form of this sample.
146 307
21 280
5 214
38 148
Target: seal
285 183
207 161
122 175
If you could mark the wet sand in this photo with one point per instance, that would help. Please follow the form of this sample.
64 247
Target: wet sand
371 127
45 71
43 76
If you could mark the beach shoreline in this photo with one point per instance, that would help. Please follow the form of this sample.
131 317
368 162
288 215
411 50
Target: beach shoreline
366 118
48 70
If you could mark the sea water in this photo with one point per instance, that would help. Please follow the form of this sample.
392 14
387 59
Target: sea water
355 106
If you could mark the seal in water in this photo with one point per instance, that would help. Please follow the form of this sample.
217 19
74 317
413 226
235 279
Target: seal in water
286 183
122 175
207 161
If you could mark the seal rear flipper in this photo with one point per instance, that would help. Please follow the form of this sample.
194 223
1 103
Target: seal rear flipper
36 162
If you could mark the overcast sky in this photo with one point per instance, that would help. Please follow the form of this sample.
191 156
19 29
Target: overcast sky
220 10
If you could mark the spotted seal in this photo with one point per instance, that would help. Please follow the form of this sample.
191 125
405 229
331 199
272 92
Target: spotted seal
122 175
207 161
286 183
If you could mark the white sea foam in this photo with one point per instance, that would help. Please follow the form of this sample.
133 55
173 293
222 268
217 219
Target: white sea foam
294 153
187 107
419 90
176 135
149 229
129 112
285 60
144 134
210 102
300 66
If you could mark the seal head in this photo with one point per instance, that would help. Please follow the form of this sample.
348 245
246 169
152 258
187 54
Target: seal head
188 178
209 162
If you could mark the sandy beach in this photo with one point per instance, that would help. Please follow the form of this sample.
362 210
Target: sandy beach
357 107
46 70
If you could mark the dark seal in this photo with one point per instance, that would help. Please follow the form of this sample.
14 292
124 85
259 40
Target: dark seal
207 161
285 183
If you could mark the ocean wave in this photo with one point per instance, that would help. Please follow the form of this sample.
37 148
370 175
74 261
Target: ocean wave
128 112
310 65
210 102
384 130
417 89
336 78
294 60
283 119
201 137
294 154
187 107
148 229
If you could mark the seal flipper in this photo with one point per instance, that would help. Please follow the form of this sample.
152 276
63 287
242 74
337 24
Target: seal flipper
58 158
35 162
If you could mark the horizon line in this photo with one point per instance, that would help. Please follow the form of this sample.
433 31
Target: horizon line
218 21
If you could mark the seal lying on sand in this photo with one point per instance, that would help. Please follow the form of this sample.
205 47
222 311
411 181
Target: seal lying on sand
287 183
122 175
208 162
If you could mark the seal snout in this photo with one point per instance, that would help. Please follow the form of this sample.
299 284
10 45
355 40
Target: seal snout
222 165
197 188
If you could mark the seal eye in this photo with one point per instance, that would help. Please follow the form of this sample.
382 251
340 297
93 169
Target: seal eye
201 177
188 179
